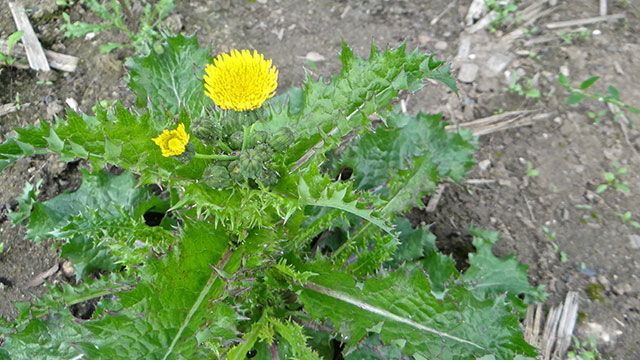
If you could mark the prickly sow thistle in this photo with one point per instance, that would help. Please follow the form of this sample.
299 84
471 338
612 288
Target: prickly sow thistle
240 81
172 142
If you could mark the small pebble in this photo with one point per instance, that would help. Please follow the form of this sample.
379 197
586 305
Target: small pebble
635 241
441 45
484 164
67 269
606 285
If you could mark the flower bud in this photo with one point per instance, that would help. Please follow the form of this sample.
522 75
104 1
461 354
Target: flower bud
258 137
204 129
281 139
268 177
251 163
235 140
216 176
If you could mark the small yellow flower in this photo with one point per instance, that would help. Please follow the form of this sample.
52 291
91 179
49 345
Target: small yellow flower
172 142
240 81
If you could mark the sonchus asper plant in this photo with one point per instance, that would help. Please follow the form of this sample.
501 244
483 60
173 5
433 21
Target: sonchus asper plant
262 246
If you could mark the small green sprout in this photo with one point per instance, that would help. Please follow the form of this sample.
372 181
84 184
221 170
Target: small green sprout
11 41
580 351
527 90
596 116
569 37
612 179
531 172
563 257
626 219
550 235
579 93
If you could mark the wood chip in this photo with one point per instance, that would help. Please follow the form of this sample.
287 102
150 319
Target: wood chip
577 22
433 202
11 107
554 339
56 60
35 54
504 121
476 9
39 280
7 108
603 7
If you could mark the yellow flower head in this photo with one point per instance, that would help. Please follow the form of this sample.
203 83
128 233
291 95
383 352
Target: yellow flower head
172 142
240 81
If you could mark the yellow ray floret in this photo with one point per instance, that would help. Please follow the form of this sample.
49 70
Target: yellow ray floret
172 142
240 81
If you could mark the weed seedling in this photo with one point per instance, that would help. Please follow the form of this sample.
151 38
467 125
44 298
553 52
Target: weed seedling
143 31
550 235
626 219
578 94
596 116
613 180
11 41
531 172
569 37
506 13
527 90
580 350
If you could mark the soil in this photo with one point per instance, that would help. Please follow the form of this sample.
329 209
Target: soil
587 248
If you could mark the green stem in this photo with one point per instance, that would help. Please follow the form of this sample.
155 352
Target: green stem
224 147
97 295
245 140
215 157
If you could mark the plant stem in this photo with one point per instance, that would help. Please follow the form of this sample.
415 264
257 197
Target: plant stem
215 157
129 15
224 147
203 294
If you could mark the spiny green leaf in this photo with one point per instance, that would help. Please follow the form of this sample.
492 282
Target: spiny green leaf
171 80
174 302
118 137
438 71
294 334
403 303
363 87
375 156
414 243
315 189
491 276
101 192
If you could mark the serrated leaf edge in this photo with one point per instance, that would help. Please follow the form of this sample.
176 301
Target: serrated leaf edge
382 312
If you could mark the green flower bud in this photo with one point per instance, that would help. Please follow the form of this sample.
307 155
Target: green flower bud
187 155
251 163
235 121
281 139
268 177
258 137
235 171
264 152
235 140
204 129
216 176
